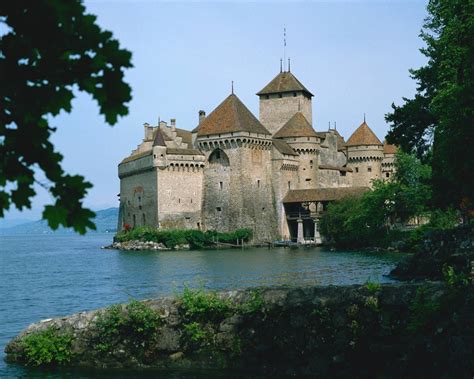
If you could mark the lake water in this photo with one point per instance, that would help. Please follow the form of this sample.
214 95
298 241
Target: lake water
44 276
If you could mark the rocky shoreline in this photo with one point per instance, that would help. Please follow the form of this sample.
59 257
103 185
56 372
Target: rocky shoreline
363 330
136 245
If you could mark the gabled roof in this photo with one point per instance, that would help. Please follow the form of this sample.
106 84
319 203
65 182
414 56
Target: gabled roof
231 116
388 148
283 147
363 135
159 139
297 126
285 81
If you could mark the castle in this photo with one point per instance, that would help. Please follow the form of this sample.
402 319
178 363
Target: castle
275 174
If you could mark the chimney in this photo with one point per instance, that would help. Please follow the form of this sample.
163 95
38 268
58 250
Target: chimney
173 123
202 116
146 127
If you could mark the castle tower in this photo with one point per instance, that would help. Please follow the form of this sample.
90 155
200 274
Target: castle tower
238 191
281 99
302 138
364 156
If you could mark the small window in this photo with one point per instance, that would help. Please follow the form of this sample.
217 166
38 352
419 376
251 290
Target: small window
387 175
280 95
221 185
258 183
308 139
161 155
267 97
218 209
294 94
289 185
134 220
191 201
369 169
311 162
308 179
357 169
154 155
188 218
179 201
343 173
144 218
263 209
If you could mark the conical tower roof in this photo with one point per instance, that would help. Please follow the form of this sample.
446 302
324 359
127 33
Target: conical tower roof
389 148
297 126
159 139
230 116
285 81
363 135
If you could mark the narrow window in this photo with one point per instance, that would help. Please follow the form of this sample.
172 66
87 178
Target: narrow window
267 97
343 173
218 209
191 201
221 185
179 201
134 220
308 179
289 185
294 94
154 155
280 95
357 169
144 219
369 169
258 183
199 226
387 175
263 209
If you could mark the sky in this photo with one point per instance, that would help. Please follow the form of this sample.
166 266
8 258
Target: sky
354 56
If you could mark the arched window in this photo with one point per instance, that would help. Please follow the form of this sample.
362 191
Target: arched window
218 157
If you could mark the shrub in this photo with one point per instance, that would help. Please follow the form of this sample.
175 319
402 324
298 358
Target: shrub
135 325
47 347
171 238
199 305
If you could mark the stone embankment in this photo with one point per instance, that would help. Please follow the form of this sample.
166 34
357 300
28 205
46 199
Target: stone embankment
136 245
390 331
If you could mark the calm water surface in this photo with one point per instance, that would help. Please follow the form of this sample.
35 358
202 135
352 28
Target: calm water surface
43 276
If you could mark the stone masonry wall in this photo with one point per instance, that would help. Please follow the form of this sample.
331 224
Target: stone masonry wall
180 197
138 188
241 195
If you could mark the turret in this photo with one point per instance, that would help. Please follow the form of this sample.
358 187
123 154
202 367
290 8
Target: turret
364 156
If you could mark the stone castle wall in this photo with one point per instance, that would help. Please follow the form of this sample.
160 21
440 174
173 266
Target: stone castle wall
138 189
238 191
285 177
180 191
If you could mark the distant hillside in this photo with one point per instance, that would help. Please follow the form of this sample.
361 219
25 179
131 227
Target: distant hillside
105 221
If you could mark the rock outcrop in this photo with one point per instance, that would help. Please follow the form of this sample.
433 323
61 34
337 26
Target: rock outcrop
397 330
